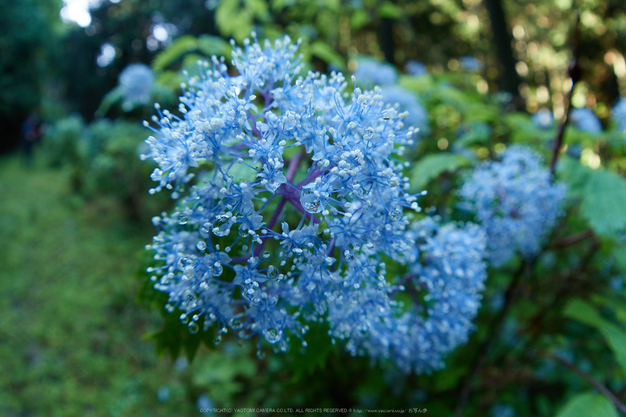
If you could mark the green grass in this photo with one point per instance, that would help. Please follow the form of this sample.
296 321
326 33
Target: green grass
70 330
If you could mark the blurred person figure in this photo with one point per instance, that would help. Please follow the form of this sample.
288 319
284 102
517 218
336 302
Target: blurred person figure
31 134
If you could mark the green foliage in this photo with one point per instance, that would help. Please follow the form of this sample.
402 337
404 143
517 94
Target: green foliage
588 405
615 337
61 140
602 194
433 165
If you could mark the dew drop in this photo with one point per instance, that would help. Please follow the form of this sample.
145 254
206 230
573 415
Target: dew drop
236 324
183 219
272 335
310 202
216 269
221 226
348 255
272 272
395 214
244 231
201 245
266 254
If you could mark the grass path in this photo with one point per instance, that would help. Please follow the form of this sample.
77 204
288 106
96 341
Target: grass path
70 330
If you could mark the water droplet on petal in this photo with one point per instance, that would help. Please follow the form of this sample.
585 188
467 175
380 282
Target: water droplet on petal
201 245
348 255
310 202
221 226
272 272
395 214
272 335
183 219
236 324
216 269
266 254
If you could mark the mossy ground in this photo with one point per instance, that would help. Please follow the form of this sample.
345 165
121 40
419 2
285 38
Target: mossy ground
70 330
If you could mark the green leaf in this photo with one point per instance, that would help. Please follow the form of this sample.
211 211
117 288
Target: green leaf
111 98
604 202
574 174
619 254
431 166
602 194
175 51
389 10
315 355
588 404
359 19
420 85
327 54
478 133
586 313
213 45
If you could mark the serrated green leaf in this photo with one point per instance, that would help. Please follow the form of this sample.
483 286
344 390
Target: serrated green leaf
178 48
588 404
327 54
586 313
316 353
431 166
604 201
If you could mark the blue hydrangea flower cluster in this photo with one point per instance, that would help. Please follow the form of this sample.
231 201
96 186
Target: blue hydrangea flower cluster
299 203
370 73
586 120
515 201
416 68
470 63
405 101
136 81
619 114
543 119
447 263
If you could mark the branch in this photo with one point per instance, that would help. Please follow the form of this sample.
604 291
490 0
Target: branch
511 295
594 382
575 72
570 240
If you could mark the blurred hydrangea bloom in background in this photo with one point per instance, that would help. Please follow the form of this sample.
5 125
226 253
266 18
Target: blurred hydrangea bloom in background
515 201
300 206
619 114
136 81
470 63
543 119
416 68
406 101
370 73
586 120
